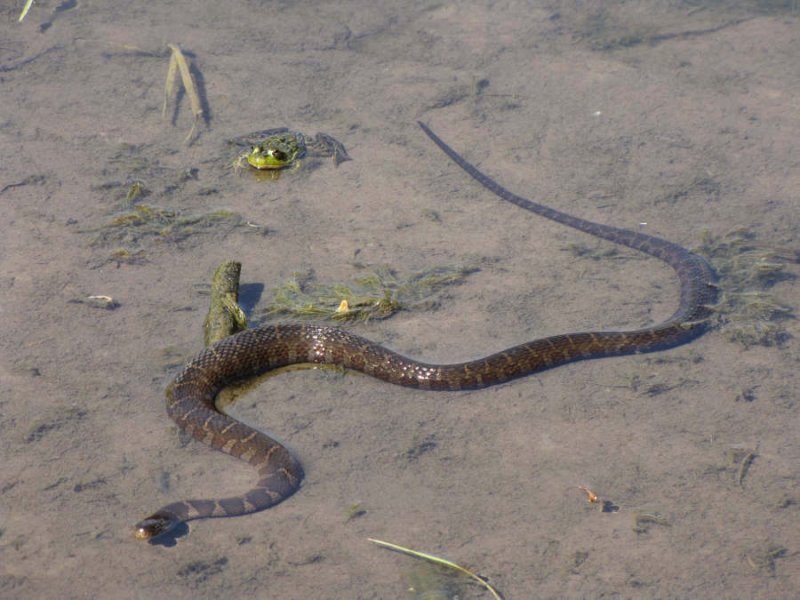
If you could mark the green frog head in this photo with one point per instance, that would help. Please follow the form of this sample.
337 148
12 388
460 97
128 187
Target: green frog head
277 151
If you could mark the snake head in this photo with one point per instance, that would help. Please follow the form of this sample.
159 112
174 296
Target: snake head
155 525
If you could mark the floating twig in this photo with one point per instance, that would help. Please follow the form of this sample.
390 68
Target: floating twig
439 561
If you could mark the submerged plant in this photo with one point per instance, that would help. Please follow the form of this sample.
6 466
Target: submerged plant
179 65
747 311
145 220
443 589
377 295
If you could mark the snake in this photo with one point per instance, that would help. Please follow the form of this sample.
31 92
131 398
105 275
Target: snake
191 395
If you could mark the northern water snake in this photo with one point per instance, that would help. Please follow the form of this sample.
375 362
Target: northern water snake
190 397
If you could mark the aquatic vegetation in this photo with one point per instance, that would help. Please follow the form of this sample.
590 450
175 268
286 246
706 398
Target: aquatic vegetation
179 64
432 587
642 520
432 582
128 257
748 312
136 191
377 295
148 221
25 10
355 511
764 559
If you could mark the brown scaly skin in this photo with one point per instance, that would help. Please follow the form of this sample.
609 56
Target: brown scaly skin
190 398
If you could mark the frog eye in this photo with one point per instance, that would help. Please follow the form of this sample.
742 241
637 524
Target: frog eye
279 155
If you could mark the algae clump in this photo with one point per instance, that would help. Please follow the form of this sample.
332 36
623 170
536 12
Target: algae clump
748 311
377 295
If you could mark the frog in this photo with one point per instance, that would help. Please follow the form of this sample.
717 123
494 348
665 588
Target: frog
273 150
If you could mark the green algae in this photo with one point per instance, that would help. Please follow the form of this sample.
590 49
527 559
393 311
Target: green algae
377 295
748 311
145 221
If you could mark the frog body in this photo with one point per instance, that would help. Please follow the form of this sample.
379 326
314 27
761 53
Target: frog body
281 148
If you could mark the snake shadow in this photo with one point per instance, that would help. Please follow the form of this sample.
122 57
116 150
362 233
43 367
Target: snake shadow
169 539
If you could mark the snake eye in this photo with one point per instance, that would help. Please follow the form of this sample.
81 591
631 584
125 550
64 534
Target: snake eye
155 525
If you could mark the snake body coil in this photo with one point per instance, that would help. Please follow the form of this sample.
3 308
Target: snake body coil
190 397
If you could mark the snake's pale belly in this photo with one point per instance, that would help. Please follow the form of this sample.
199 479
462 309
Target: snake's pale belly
190 397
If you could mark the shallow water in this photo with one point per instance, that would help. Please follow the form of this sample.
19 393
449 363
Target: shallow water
671 119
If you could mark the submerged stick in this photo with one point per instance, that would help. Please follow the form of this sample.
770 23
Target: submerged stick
439 561
224 317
